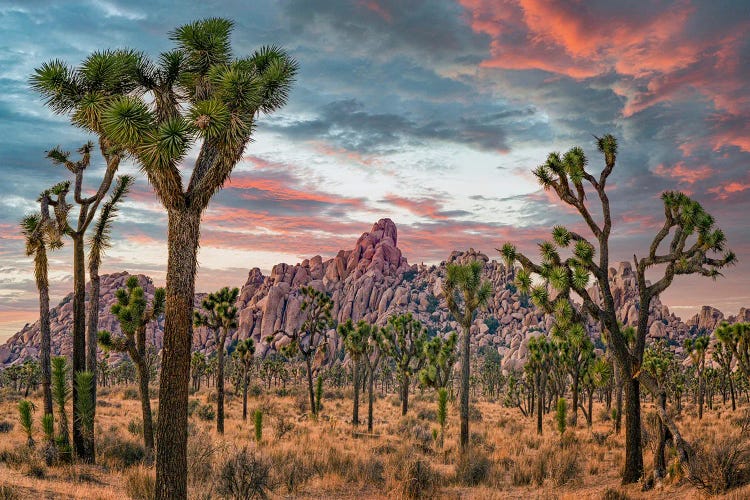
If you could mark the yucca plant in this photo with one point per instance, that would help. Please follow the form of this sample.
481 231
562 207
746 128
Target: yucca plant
26 418
61 393
258 421
85 407
561 415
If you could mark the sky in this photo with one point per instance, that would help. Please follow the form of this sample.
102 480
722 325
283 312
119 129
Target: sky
432 113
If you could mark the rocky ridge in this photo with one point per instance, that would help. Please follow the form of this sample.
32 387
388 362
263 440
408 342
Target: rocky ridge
374 281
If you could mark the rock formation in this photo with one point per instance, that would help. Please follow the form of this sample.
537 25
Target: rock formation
374 281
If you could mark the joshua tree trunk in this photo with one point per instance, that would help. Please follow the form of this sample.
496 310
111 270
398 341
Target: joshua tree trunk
633 451
731 391
701 397
355 411
82 442
405 382
618 398
43 286
574 416
308 363
93 326
244 391
220 386
171 434
148 426
370 399
465 374
660 468
540 406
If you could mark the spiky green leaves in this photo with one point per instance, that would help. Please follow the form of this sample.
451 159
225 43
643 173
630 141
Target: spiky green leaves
608 146
56 82
127 121
209 118
276 74
167 144
205 43
220 308
464 287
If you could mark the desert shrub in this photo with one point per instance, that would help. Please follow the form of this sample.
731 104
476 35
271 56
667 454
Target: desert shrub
36 469
212 397
8 492
410 427
135 427
369 471
302 403
427 414
130 393
5 426
255 391
244 475
115 452
283 426
206 413
473 468
520 474
604 415
200 456
418 480
293 469
613 494
720 466
193 405
568 440
140 483
564 467
475 415
600 437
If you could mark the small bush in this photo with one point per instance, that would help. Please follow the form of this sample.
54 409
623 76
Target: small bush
206 413
113 451
473 468
258 420
521 472
283 426
193 405
5 426
8 492
255 391
130 393
720 466
135 427
140 483
244 475
613 494
200 457
563 467
418 480
427 414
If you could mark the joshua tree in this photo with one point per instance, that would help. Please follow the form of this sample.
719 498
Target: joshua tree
245 352
198 92
221 317
465 293
83 341
405 338
659 361
576 355
723 356
539 364
737 337
198 368
61 393
356 341
372 357
694 240
696 349
99 242
440 356
134 314
311 336
41 231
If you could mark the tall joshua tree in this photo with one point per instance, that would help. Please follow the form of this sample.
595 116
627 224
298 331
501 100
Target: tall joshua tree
724 356
197 93
40 232
539 364
376 347
576 355
356 340
696 348
83 341
220 318
312 334
134 314
405 337
695 246
465 293
737 337
245 351
440 356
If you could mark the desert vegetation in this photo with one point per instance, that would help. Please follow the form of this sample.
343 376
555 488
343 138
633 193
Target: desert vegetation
444 418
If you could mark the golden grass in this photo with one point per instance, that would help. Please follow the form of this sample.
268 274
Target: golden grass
323 459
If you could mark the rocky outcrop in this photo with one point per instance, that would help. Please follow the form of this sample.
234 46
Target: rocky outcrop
373 281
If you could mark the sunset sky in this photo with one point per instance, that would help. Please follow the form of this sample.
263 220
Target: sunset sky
432 113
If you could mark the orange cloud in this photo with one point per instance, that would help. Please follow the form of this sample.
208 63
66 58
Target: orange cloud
724 191
683 173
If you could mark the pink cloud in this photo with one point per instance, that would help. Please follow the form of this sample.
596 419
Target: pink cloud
683 173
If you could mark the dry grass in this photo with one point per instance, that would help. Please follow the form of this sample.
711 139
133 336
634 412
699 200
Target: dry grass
300 457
